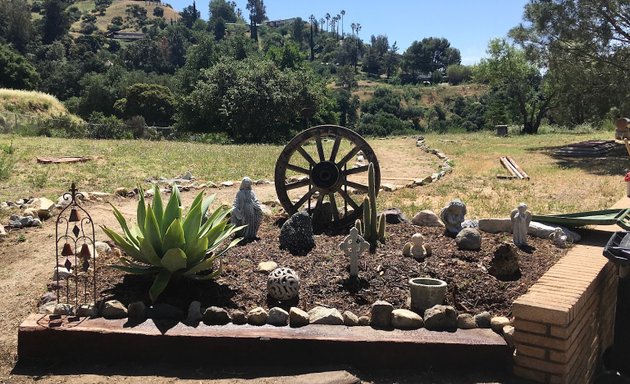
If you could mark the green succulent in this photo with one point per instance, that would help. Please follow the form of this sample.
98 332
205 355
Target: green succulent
168 244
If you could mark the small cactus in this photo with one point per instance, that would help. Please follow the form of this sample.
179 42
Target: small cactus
372 228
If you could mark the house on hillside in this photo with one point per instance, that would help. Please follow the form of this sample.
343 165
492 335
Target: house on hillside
280 23
125 36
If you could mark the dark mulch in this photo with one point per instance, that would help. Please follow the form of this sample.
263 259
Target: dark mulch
324 277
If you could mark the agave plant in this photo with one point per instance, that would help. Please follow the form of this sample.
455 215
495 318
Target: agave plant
168 244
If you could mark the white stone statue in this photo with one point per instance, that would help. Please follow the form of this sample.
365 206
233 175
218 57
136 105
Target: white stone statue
353 246
246 210
453 216
559 238
417 249
521 218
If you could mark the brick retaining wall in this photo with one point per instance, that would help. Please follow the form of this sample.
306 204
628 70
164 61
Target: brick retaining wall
566 320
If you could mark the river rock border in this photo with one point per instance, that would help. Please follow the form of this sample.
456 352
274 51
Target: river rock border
445 168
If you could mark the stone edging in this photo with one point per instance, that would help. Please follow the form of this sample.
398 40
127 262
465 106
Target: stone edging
443 169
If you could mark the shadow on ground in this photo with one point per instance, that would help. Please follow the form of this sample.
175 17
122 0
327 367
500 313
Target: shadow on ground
613 163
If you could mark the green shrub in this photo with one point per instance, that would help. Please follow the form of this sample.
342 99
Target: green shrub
169 244
383 124
6 166
107 127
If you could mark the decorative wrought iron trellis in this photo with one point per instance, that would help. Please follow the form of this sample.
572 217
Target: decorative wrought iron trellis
75 270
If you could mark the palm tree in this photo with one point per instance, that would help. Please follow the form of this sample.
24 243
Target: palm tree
321 23
327 20
342 14
337 24
353 26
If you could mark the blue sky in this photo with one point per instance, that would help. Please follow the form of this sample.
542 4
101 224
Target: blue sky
467 24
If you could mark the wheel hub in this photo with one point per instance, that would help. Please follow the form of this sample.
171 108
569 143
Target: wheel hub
325 175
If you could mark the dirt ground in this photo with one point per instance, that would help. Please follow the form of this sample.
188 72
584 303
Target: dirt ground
26 265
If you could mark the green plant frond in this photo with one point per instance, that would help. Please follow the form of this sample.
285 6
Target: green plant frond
197 201
192 223
174 236
136 270
136 232
224 233
232 244
129 248
174 259
210 276
217 216
172 212
196 251
158 206
206 204
214 232
142 209
123 224
159 284
152 231
146 249
203 266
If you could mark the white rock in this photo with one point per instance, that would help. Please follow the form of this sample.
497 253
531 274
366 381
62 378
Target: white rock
60 273
508 335
406 319
278 317
350 319
227 183
63 309
323 315
87 310
102 247
388 187
498 322
267 266
427 218
298 317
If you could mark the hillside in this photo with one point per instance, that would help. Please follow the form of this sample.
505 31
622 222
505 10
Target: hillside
30 104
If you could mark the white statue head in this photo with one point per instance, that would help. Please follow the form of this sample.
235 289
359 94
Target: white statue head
522 207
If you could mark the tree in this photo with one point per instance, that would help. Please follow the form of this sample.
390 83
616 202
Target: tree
189 15
374 61
253 100
427 56
221 9
526 93
297 28
198 57
15 23
458 74
15 71
55 22
156 103
257 11
585 48
343 13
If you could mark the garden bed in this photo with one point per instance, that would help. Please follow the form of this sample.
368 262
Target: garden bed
324 275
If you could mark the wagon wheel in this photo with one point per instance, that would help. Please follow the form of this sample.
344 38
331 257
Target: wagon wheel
322 177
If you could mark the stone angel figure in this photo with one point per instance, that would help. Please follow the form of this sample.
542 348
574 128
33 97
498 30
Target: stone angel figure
246 210
521 218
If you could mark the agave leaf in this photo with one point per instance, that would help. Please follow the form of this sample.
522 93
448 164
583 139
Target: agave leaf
126 246
232 244
202 266
174 236
217 218
192 222
142 210
152 231
210 276
123 224
172 211
136 270
146 249
196 251
174 259
226 232
158 206
159 284
206 204
136 232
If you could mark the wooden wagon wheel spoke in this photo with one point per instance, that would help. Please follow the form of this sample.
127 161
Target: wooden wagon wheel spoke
298 169
305 198
348 199
335 148
333 204
306 156
298 184
349 156
353 171
358 186
327 173
320 148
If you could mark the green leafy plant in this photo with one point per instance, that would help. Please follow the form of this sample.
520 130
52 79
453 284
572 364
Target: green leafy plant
169 244
372 228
